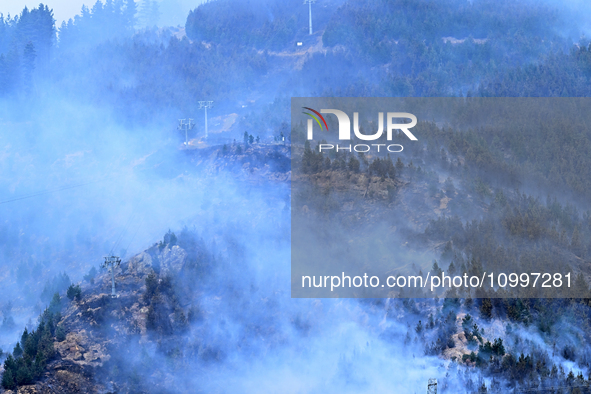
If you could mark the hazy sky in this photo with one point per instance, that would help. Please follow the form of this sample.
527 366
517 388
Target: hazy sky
174 12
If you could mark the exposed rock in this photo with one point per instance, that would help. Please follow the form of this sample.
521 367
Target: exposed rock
78 348
99 329
140 264
172 259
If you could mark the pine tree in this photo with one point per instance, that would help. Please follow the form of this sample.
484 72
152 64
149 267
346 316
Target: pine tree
129 15
575 244
60 334
353 164
23 375
436 270
24 338
29 66
56 303
449 187
452 268
18 350
486 308
8 379
74 292
419 328
498 347
149 13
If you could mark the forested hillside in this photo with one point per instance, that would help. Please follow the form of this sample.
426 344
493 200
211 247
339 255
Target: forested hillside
430 48
94 164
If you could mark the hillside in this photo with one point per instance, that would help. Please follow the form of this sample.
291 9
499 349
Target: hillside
94 116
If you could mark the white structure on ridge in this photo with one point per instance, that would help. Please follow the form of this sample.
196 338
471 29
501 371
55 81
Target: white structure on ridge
205 105
309 2
112 262
186 126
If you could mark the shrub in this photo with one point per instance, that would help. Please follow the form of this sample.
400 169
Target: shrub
74 292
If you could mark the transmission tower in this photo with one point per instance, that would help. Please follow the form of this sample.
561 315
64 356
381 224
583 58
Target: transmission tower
112 262
205 105
432 386
309 2
186 126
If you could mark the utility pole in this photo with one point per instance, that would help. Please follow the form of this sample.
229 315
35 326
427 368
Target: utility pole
112 262
205 105
432 386
186 126
309 2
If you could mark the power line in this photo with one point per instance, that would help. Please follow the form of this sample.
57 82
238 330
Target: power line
125 228
137 229
121 234
49 191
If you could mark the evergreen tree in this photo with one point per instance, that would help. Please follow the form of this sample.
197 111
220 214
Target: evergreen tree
18 350
486 308
436 270
353 164
91 275
498 347
129 15
8 381
28 65
419 328
23 375
576 244
56 303
74 292
149 13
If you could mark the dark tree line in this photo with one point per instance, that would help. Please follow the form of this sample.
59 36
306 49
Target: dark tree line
26 41
314 161
113 19
27 362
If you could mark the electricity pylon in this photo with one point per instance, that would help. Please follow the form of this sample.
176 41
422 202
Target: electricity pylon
309 2
205 105
432 386
186 126
112 262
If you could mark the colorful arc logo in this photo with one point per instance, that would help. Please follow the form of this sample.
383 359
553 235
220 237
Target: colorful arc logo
315 118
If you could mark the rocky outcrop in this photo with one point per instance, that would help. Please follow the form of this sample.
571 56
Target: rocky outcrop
81 350
100 328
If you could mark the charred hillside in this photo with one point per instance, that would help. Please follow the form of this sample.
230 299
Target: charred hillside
255 161
98 344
